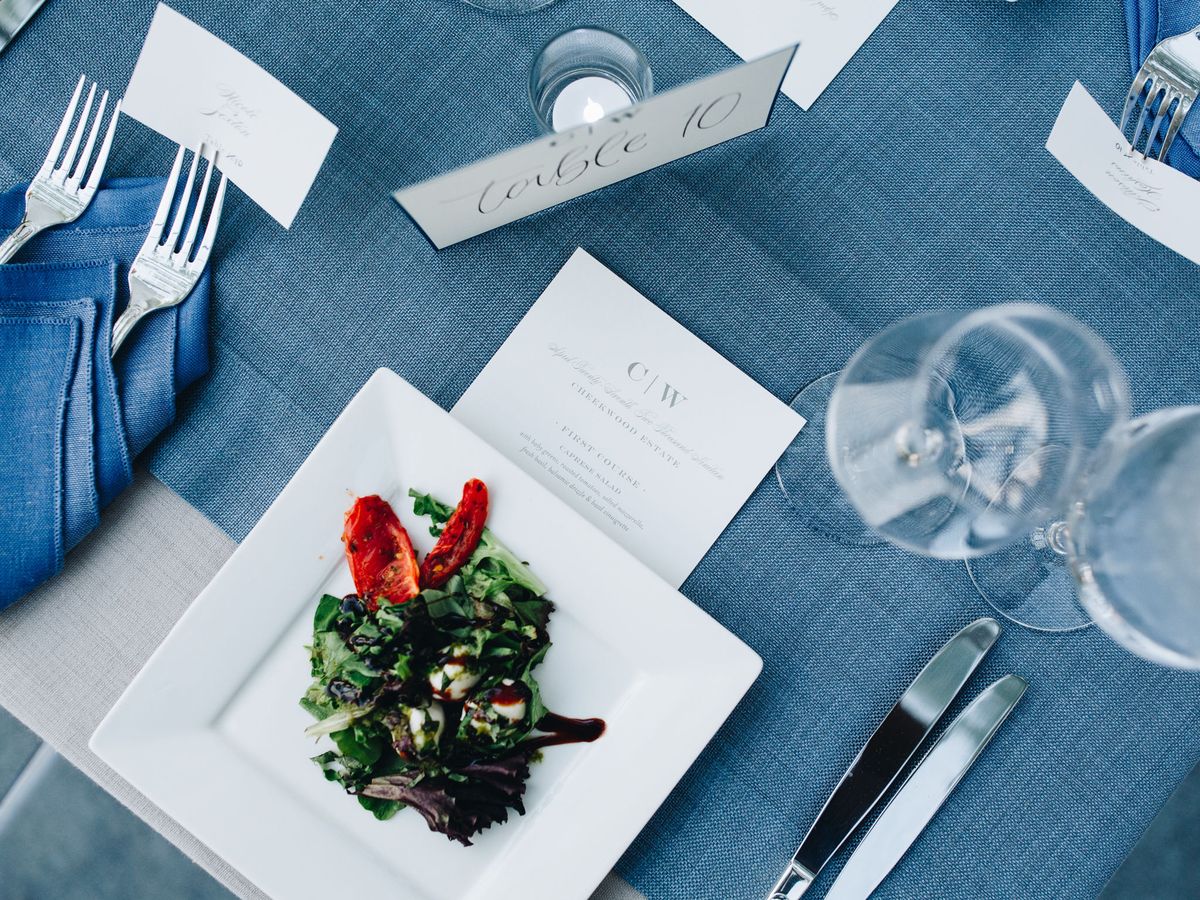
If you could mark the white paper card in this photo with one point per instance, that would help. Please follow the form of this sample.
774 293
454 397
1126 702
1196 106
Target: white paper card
514 184
829 31
628 417
1149 195
193 88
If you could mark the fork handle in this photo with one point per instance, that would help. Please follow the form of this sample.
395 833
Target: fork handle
125 324
17 239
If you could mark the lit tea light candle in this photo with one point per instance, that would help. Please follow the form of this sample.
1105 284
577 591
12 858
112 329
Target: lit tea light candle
588 100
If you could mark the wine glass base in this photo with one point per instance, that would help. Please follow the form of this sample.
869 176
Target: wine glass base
509 7
805 477
1031 584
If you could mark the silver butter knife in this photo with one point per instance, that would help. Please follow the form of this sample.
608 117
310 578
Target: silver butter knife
885 754
922 795
13 16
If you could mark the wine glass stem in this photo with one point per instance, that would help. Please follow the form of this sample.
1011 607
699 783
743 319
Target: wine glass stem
1053 536
916 445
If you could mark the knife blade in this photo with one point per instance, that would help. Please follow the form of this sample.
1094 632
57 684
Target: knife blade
926 789
13 16
885 754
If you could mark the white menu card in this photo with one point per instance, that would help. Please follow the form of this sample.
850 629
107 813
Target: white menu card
829 31
631 419
1149 195
193 88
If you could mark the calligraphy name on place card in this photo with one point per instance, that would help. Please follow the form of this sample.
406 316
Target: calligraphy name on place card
195 89
551 170
1160 201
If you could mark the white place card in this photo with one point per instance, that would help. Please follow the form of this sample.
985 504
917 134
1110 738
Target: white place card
830 32
195 89
1149 195
551 170
631 419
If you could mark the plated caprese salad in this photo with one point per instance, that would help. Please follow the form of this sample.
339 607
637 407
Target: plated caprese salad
423 678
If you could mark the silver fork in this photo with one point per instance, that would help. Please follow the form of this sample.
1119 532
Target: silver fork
59 193
165 271
1170 77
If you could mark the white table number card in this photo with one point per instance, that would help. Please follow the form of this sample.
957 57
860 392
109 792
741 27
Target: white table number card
632 420
1151 196
830 32
553 169
193 88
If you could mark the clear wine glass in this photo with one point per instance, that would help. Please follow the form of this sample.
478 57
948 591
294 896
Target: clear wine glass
1133 537
955 434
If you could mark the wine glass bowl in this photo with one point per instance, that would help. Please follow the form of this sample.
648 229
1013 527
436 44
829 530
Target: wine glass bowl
956 433
1134 537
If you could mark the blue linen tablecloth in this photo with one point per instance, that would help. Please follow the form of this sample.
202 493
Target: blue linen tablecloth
918 180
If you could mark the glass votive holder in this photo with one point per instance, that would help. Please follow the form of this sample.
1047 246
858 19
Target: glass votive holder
585 74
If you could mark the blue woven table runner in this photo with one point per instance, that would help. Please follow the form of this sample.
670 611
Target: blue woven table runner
919 180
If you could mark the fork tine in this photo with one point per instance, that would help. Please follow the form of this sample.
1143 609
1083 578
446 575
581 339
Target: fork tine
81 166
61 135
1185 104
1141 122
184 200
185 247
1135 93
164 206
68 160
210 232
93 179
1164 109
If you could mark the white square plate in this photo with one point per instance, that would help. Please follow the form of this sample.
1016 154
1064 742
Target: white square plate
210 729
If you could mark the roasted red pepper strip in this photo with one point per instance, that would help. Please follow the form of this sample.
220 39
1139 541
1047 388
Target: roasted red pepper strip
380 554
459 538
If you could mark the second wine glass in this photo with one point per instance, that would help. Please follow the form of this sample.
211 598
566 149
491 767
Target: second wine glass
1132 539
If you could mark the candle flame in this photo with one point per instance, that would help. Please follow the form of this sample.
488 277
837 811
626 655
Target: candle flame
592 111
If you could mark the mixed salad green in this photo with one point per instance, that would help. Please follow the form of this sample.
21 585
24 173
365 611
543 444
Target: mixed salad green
430 701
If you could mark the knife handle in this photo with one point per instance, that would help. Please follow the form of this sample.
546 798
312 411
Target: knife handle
792 883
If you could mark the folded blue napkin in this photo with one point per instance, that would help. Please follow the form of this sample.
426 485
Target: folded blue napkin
72 420
1150 21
